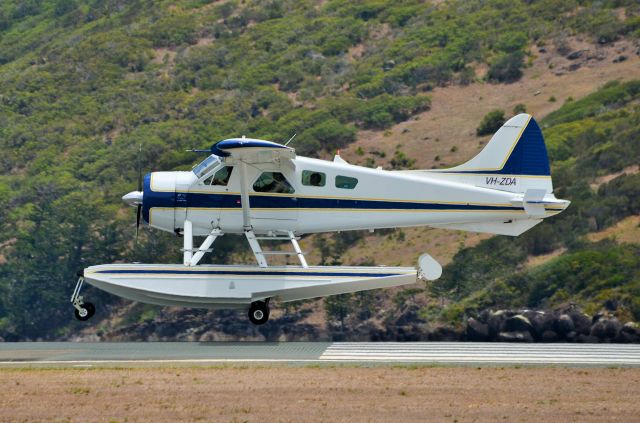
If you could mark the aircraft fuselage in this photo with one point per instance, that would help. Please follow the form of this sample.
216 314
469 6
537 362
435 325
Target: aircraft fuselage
340 197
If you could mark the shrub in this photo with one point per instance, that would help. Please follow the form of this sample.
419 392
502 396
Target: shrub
491 122
507 67
519 108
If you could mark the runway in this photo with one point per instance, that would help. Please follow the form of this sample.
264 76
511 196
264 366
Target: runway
56 354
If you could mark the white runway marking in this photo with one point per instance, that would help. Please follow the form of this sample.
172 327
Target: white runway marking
201 354
485 353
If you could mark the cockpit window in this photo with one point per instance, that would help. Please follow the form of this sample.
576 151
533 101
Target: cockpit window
221 177
206 165
273 182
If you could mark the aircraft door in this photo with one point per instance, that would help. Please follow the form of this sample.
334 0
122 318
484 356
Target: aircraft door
274 204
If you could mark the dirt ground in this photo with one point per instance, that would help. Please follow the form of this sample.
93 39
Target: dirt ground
354 394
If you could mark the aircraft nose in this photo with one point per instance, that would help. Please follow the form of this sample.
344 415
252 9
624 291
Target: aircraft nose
133 199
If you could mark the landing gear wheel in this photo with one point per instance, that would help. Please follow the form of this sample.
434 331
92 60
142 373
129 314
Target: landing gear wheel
259 312
86 312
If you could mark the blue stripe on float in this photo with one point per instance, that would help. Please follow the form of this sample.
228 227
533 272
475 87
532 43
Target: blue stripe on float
244 273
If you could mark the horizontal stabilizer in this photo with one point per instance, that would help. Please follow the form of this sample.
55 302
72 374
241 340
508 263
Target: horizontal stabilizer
535 200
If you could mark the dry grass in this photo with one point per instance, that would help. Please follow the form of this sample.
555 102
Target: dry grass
321 394
631 170
456 111
627 230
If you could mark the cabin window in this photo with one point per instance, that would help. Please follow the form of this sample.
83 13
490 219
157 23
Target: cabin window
346 182
221 177
314 179
273 182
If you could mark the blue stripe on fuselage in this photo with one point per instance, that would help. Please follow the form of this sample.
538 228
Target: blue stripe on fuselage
232 201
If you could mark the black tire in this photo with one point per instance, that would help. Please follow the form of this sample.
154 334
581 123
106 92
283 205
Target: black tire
90 309
259 313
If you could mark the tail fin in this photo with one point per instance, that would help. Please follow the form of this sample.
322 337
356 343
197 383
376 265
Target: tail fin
515 159
516 149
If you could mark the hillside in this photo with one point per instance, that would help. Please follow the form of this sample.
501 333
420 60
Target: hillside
83 82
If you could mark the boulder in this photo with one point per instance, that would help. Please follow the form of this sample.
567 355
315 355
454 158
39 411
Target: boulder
563 325
549 336
575 54
517 323
587 339
444 333
611 304
606 328
537 320
524 336
629 334
581 322
597 317
495 322
477 331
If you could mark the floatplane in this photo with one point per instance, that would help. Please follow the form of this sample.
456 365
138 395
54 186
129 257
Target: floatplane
262 190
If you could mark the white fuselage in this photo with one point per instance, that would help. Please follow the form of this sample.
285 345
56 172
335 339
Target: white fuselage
379 199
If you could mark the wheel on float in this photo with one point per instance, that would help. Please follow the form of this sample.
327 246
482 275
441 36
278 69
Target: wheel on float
86 312
259 313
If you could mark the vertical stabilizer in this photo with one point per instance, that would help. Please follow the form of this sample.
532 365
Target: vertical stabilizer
515 160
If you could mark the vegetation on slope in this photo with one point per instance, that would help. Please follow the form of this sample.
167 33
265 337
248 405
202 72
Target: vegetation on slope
594 136
84 82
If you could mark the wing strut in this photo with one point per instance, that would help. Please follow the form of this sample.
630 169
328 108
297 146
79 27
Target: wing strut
191 259
244 197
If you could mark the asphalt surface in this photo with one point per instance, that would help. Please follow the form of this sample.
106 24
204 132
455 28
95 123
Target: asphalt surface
125 354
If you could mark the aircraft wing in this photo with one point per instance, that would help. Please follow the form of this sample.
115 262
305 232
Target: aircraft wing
254 151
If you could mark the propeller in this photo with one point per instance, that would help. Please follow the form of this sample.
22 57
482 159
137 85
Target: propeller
134 198
139 210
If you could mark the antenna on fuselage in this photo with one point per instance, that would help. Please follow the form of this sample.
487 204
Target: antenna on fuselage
290 139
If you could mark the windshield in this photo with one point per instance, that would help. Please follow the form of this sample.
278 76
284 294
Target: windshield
206 165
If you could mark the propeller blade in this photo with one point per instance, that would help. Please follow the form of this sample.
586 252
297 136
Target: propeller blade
140 168
138 220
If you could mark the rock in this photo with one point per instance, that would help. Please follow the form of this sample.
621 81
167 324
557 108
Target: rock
517 323
524 336
388 65
587 339
573 67
571 336
620 58
495 321
444 333
597 317
563 325
542 50
630 333
409 316
581 322
606 328
549 336
575 54
537 319
611 304
477 331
